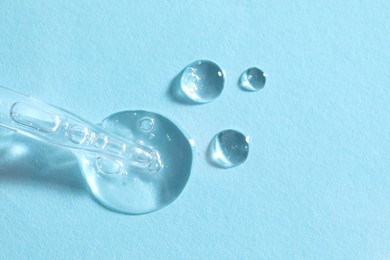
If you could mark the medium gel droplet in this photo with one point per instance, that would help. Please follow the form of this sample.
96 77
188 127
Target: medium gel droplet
202 81
157 169
253 79
229 148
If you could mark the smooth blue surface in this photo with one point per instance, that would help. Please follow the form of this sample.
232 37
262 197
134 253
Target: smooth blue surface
316 184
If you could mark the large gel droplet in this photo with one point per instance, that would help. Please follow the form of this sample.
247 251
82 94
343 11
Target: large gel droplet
253 79
229 148
128 188
202 81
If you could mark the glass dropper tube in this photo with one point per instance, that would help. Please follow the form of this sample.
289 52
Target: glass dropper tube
38 120
134 162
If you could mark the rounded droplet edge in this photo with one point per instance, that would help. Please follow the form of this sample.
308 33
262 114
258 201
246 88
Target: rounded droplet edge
185 98
250 88
211 147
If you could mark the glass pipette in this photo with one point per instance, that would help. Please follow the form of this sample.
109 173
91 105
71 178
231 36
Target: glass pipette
134 162
47 123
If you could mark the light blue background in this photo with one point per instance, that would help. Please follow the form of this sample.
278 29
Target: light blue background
316 184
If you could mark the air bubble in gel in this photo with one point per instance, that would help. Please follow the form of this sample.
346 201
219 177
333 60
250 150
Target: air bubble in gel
146 124
108 166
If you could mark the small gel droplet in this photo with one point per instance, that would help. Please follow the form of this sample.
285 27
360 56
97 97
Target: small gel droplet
202 81
253 79
229 148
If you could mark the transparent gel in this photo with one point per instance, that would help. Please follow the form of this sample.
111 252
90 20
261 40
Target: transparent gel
229 148
202 81
134 161
252 79
126 187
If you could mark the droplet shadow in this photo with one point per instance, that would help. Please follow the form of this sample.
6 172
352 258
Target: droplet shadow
24 161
